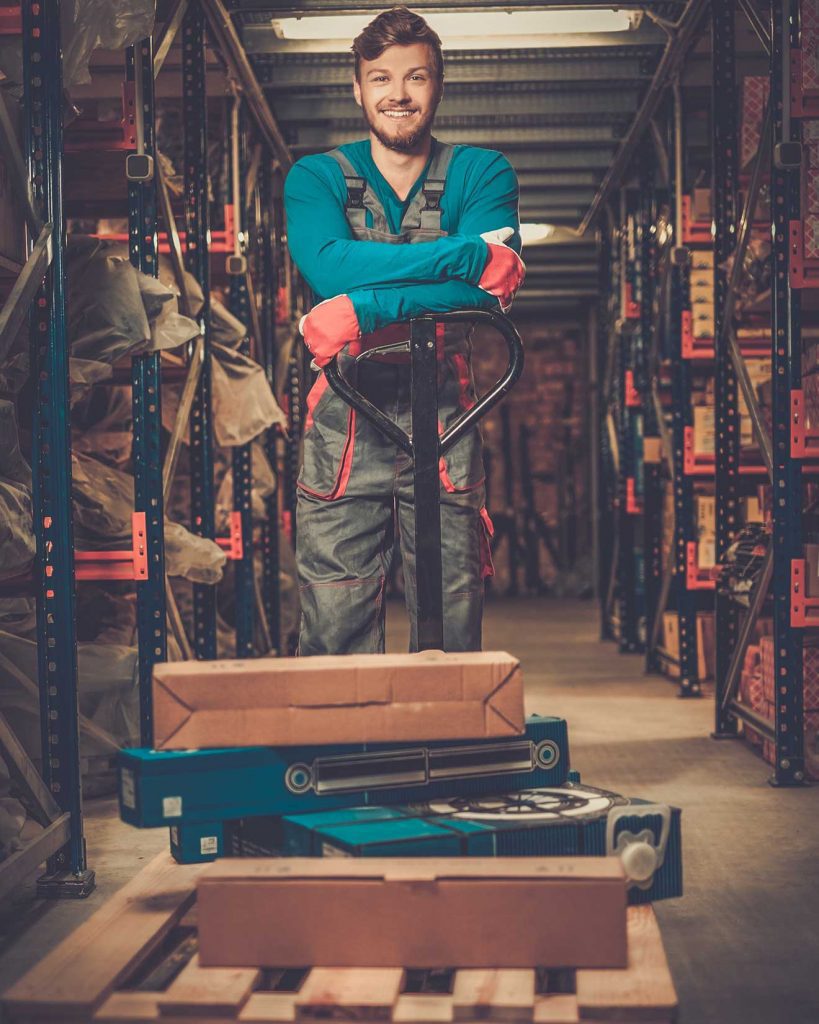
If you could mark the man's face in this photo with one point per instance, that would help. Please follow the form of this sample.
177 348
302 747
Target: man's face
399 93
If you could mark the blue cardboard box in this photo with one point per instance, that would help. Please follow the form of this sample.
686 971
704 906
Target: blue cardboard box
569 821
193 786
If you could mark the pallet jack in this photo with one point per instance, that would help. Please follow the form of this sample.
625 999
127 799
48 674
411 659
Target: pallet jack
514 796
425 445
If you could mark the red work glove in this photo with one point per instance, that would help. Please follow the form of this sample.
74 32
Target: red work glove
504 271
328 327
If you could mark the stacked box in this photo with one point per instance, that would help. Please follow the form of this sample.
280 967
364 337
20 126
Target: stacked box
701 294
704 430
705 507
573 820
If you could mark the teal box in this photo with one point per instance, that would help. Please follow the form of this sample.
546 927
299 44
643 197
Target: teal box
572 820
198 841
179 787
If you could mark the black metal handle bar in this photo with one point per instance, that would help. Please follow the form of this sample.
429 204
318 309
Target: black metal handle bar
466 420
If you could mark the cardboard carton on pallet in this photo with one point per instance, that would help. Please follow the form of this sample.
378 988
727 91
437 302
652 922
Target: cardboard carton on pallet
366 698
115 968
413 912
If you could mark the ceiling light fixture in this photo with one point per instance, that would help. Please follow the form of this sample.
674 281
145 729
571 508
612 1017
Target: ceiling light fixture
468 30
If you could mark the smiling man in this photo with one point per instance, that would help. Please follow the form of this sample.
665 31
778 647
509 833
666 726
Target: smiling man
355 217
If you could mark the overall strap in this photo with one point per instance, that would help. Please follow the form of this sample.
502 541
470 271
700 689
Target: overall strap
360 197
428 215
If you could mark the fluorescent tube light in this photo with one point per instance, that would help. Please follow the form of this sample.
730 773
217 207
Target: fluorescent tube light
491 27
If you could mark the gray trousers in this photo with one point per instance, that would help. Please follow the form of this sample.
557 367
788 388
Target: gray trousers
355 492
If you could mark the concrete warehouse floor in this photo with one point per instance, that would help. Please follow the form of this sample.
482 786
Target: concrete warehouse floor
743 941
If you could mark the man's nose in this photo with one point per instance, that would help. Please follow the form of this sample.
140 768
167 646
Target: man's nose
399 93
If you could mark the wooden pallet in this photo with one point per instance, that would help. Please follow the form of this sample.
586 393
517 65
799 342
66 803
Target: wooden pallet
135 960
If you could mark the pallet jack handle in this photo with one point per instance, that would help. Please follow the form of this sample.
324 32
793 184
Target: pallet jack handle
425 446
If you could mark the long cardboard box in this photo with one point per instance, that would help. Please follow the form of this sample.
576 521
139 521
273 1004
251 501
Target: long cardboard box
413 912
367 698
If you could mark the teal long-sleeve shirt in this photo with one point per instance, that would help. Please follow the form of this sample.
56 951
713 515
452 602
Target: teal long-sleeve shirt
391 283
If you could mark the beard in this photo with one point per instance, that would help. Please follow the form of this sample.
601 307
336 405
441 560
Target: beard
405 141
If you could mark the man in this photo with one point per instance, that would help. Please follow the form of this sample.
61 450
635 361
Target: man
355 217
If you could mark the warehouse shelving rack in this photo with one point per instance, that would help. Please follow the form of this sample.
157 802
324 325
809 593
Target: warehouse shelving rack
784 457
40 289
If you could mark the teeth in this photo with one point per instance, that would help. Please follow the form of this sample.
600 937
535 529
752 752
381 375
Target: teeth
398 113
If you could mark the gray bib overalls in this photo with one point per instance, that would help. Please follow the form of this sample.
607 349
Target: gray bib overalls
355 487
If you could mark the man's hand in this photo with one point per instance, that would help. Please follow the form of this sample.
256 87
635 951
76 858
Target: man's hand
328 327
504 271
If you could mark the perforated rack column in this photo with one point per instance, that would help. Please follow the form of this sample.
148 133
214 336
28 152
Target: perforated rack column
197 228
244 589
787 376
650 469
724 180
147 401
67 872
268 241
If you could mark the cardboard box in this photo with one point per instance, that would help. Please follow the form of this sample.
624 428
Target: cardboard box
704 430
705 509
413 912
671 635
701 204
368 698
706 645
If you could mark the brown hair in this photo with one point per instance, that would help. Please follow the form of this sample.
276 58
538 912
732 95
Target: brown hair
396 27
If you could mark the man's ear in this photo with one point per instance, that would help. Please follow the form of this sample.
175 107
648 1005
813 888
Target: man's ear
357 91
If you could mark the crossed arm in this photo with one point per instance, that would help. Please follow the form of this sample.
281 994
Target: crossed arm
379 283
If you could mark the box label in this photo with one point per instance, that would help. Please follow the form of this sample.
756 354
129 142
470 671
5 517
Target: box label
127 788
171 806
328 850
208 845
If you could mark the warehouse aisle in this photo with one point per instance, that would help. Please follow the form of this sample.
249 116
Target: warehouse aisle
742 940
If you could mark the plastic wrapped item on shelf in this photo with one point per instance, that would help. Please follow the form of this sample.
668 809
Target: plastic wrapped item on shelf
102 426
85 26
743 562
107 689
169 328
17 544
225 636
196 558
103 503
106 612
264 486
756 269
18 615
242 403
114 310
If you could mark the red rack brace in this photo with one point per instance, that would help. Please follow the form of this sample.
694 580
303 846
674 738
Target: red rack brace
234 544
634 505
117 565
632 394
801 605
694 232
696 578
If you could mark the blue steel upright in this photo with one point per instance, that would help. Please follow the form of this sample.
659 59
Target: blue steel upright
197 232
725 187
146 393
67 872
787 377
268 237
244 588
